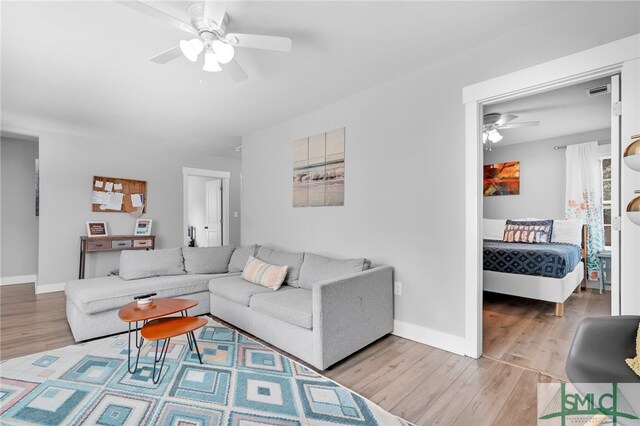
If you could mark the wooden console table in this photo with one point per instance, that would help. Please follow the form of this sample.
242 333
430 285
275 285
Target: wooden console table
113 243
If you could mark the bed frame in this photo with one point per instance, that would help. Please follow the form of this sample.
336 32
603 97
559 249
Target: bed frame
556 290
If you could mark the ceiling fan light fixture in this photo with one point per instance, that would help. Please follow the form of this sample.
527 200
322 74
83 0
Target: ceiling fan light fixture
224 52
191 49
211 63
494 136
485 136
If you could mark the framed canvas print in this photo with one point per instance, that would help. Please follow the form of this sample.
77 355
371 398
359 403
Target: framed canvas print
143 227
501 179
97 229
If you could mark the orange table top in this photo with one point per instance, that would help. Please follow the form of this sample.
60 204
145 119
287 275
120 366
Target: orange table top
158 308
165 328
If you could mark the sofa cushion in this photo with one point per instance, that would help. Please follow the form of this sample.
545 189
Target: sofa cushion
207 260
293 306
317 268
105 293
280 257
240 257
238 290
135 264
265 274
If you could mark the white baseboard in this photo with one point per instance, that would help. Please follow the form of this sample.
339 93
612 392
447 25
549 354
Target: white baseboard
49 288
437 339
18 279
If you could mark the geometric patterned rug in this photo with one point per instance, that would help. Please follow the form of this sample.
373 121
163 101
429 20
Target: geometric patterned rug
241 382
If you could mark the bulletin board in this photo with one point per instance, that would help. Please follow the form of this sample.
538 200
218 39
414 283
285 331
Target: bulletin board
117 195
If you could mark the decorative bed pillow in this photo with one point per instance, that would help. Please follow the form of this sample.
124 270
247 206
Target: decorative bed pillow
493 229
258 272
538 231
240 256
567 231
135 264
634 363
207 260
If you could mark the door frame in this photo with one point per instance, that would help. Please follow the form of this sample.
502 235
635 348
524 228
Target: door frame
620 56
224 177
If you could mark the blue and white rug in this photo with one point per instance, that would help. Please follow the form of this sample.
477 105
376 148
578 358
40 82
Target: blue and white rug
240 382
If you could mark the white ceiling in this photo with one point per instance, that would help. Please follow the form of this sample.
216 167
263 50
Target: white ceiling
83 66
561 112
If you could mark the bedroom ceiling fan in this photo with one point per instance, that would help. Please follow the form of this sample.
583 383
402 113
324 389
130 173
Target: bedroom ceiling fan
208 30
495 121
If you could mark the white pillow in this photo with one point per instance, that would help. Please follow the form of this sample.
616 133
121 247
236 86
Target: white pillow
567 231
493 229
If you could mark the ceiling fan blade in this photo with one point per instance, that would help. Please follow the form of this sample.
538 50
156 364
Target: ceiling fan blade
505 119
254 41
235 71
215 16
167 55
158 14
524 124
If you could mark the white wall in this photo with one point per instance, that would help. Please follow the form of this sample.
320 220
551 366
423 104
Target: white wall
19 224
542 176
67 165
197 204
404 185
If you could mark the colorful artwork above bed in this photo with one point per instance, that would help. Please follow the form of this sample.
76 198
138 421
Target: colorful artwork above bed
501 179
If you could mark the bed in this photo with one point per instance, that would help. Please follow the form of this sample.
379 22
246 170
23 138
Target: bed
549 272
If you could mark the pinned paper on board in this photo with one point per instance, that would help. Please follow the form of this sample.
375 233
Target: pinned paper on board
118 195
99 197
114 200
136 200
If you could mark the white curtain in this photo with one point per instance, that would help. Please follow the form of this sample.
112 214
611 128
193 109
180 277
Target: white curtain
584 198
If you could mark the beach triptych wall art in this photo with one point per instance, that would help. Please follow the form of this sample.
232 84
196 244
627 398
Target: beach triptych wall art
318 170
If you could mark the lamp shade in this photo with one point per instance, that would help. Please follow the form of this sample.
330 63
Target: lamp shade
633 210
191 49
224 52
494 136
632 154
211 63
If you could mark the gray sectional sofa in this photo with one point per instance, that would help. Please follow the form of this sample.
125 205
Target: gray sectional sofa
326 310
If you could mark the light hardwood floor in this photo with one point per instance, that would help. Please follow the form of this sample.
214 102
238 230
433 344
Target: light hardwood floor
526 333
417 382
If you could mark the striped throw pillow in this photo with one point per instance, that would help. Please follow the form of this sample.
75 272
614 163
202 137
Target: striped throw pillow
258 272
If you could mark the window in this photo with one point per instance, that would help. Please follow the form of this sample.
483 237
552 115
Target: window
605 167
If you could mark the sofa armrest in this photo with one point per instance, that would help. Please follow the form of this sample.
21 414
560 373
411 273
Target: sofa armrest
351 312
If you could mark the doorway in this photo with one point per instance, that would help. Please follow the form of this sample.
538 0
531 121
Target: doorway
606 60
206 211
527 169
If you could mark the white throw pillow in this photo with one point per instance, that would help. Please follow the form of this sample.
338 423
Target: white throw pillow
567 231
493 229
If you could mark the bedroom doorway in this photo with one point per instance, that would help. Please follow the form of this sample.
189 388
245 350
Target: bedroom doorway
535 291
619 57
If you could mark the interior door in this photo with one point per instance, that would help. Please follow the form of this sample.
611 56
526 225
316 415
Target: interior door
615 193
213 214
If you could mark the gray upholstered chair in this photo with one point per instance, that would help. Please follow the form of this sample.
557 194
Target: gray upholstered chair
599 349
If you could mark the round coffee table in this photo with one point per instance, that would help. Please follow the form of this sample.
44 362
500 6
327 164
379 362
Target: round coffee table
133 312
166 328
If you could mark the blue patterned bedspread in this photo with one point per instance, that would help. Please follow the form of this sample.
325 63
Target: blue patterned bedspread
553 260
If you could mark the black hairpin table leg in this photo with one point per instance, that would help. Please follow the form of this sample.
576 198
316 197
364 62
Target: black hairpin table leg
139 343
156 359
195 344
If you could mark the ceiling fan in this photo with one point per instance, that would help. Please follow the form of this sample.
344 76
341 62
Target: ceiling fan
495 121
208 28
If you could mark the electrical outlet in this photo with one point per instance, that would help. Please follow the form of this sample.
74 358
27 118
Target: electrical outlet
235 214
397 288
